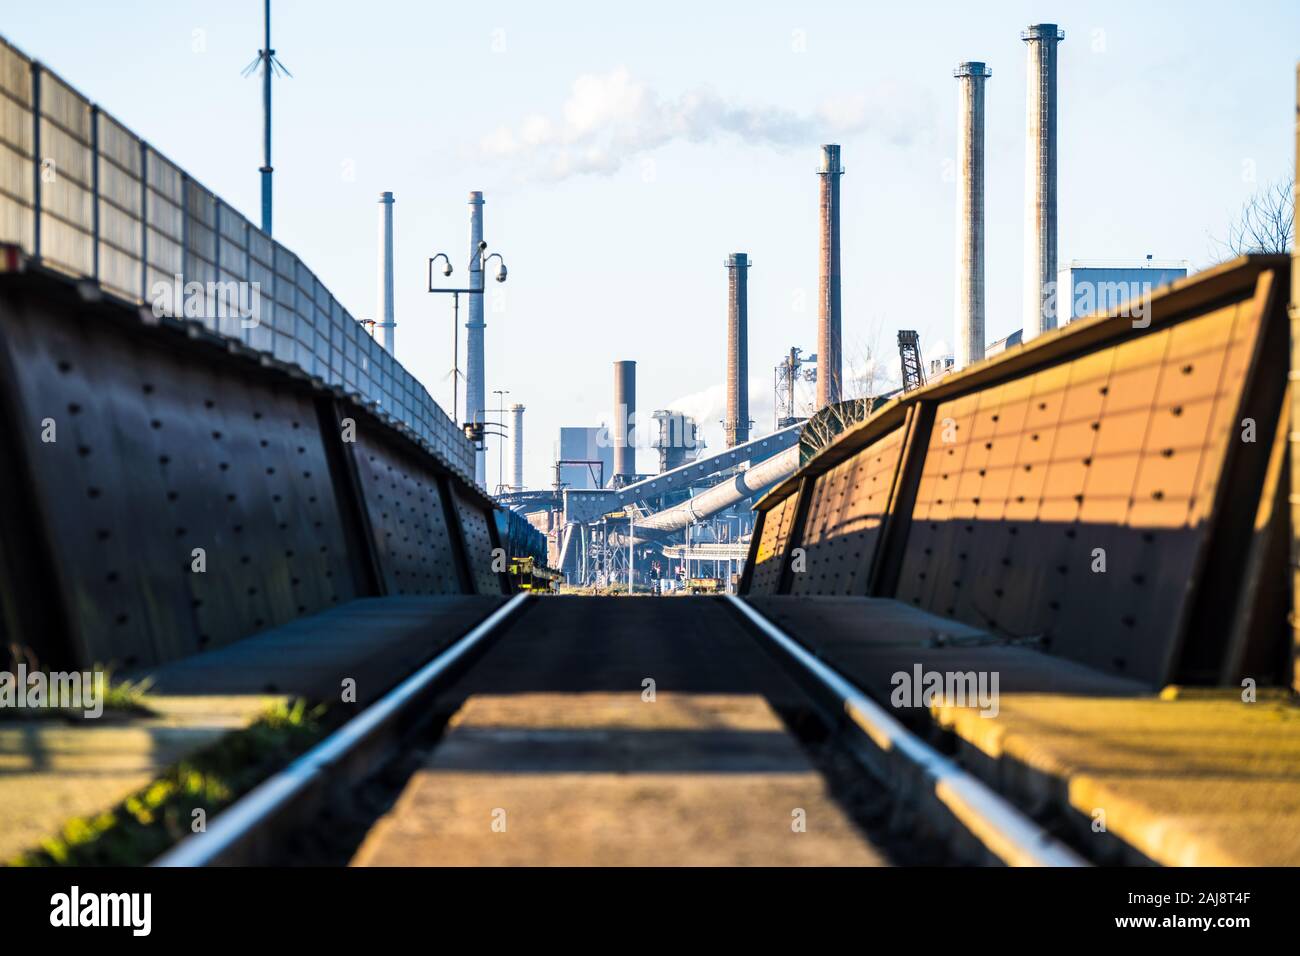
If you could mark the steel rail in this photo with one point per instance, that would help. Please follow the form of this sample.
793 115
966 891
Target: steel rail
251 812
1006 832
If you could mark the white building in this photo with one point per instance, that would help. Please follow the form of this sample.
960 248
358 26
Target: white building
1085 287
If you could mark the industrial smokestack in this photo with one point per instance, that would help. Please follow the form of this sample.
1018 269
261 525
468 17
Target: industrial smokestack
385 327
624 419
475 389
969 307
829 360
737 423
1040 179
516 448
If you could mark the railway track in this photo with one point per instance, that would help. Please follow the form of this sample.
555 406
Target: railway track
653 711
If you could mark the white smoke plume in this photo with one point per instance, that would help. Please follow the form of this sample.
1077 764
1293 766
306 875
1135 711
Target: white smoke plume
610 118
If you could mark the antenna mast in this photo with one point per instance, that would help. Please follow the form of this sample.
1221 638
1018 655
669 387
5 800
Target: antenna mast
270 66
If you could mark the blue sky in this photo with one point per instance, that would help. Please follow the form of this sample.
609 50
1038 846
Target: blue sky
625 150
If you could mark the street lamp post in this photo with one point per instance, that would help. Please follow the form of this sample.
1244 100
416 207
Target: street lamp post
477 265
501 394
688 556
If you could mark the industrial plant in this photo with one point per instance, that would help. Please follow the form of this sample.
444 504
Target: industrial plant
765 528
685 526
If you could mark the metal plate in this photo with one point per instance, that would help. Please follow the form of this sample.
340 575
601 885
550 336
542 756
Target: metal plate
845 515
1115 456
478 546
15 74
157 455
773 538
165 226
67 200
17 217
407 520
121 204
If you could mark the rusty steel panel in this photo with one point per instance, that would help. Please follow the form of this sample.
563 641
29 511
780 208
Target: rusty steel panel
769 558
478 545
1112 459
154 457
846 510
412 542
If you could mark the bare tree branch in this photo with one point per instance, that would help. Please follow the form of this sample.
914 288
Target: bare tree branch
865 384
1266 224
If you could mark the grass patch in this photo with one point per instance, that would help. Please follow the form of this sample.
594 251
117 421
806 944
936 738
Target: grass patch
154 818
127 696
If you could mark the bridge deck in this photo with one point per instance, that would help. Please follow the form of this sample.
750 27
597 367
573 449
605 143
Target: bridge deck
555 742
372 641
1191 778
1208 781
553 734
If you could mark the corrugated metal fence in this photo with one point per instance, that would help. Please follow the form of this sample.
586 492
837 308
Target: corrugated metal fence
82 194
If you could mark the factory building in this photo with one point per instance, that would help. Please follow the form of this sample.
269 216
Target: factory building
1085 287
591 446
677 439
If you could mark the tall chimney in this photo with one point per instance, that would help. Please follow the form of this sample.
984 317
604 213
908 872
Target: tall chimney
1040 179
737 423
384 323
516 447
624 419
829 360
969 308
475 390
